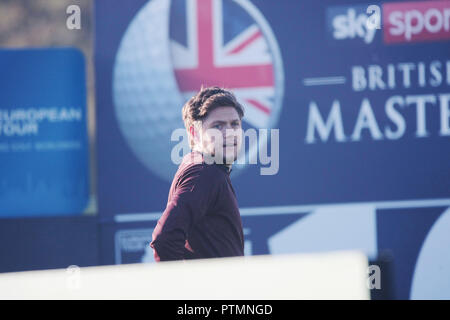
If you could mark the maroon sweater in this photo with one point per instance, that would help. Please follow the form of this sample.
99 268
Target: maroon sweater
202 218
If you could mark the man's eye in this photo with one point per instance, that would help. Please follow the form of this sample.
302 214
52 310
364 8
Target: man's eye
218 126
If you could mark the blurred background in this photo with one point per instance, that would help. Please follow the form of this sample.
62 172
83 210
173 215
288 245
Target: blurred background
91 92
42 24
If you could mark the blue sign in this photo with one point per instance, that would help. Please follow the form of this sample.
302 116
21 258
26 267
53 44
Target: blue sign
44 160
360 97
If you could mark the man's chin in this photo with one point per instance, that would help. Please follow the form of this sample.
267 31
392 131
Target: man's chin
229 161
223 158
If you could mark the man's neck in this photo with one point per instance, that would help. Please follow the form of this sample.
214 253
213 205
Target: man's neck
210 159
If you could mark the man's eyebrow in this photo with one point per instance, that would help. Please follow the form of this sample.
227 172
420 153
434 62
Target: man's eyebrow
222 122
217 122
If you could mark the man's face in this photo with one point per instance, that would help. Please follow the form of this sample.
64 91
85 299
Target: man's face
221 134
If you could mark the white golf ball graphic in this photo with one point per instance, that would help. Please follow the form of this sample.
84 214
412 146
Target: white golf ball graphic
146 98
146 95
431 278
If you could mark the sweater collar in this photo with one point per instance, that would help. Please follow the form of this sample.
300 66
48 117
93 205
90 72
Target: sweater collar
225 168
222 166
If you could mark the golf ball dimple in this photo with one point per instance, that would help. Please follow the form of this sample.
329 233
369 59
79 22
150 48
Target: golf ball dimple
146 98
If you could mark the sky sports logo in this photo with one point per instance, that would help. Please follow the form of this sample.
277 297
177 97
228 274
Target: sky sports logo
399 22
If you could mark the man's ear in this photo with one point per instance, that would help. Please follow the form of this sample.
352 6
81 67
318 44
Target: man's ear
194 134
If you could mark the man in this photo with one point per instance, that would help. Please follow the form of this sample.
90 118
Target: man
202 218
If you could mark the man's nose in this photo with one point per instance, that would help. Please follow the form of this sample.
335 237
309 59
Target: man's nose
228 130
231 135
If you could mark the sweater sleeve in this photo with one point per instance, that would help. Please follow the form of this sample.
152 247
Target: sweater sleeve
196 191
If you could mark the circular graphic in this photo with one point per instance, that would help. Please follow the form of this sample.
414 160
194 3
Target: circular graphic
171 49
431 278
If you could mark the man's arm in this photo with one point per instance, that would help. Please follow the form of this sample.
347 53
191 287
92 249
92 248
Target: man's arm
196 191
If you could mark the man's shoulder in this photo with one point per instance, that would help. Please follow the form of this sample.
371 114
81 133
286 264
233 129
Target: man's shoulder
194 165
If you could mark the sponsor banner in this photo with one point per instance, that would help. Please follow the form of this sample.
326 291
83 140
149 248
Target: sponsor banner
130 236
416 21
43 136
363 117
406 240
398 22
356 124
361 22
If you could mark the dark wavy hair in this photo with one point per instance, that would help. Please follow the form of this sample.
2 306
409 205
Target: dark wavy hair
206 100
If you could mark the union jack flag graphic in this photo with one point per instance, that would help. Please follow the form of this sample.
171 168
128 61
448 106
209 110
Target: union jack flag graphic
218 42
